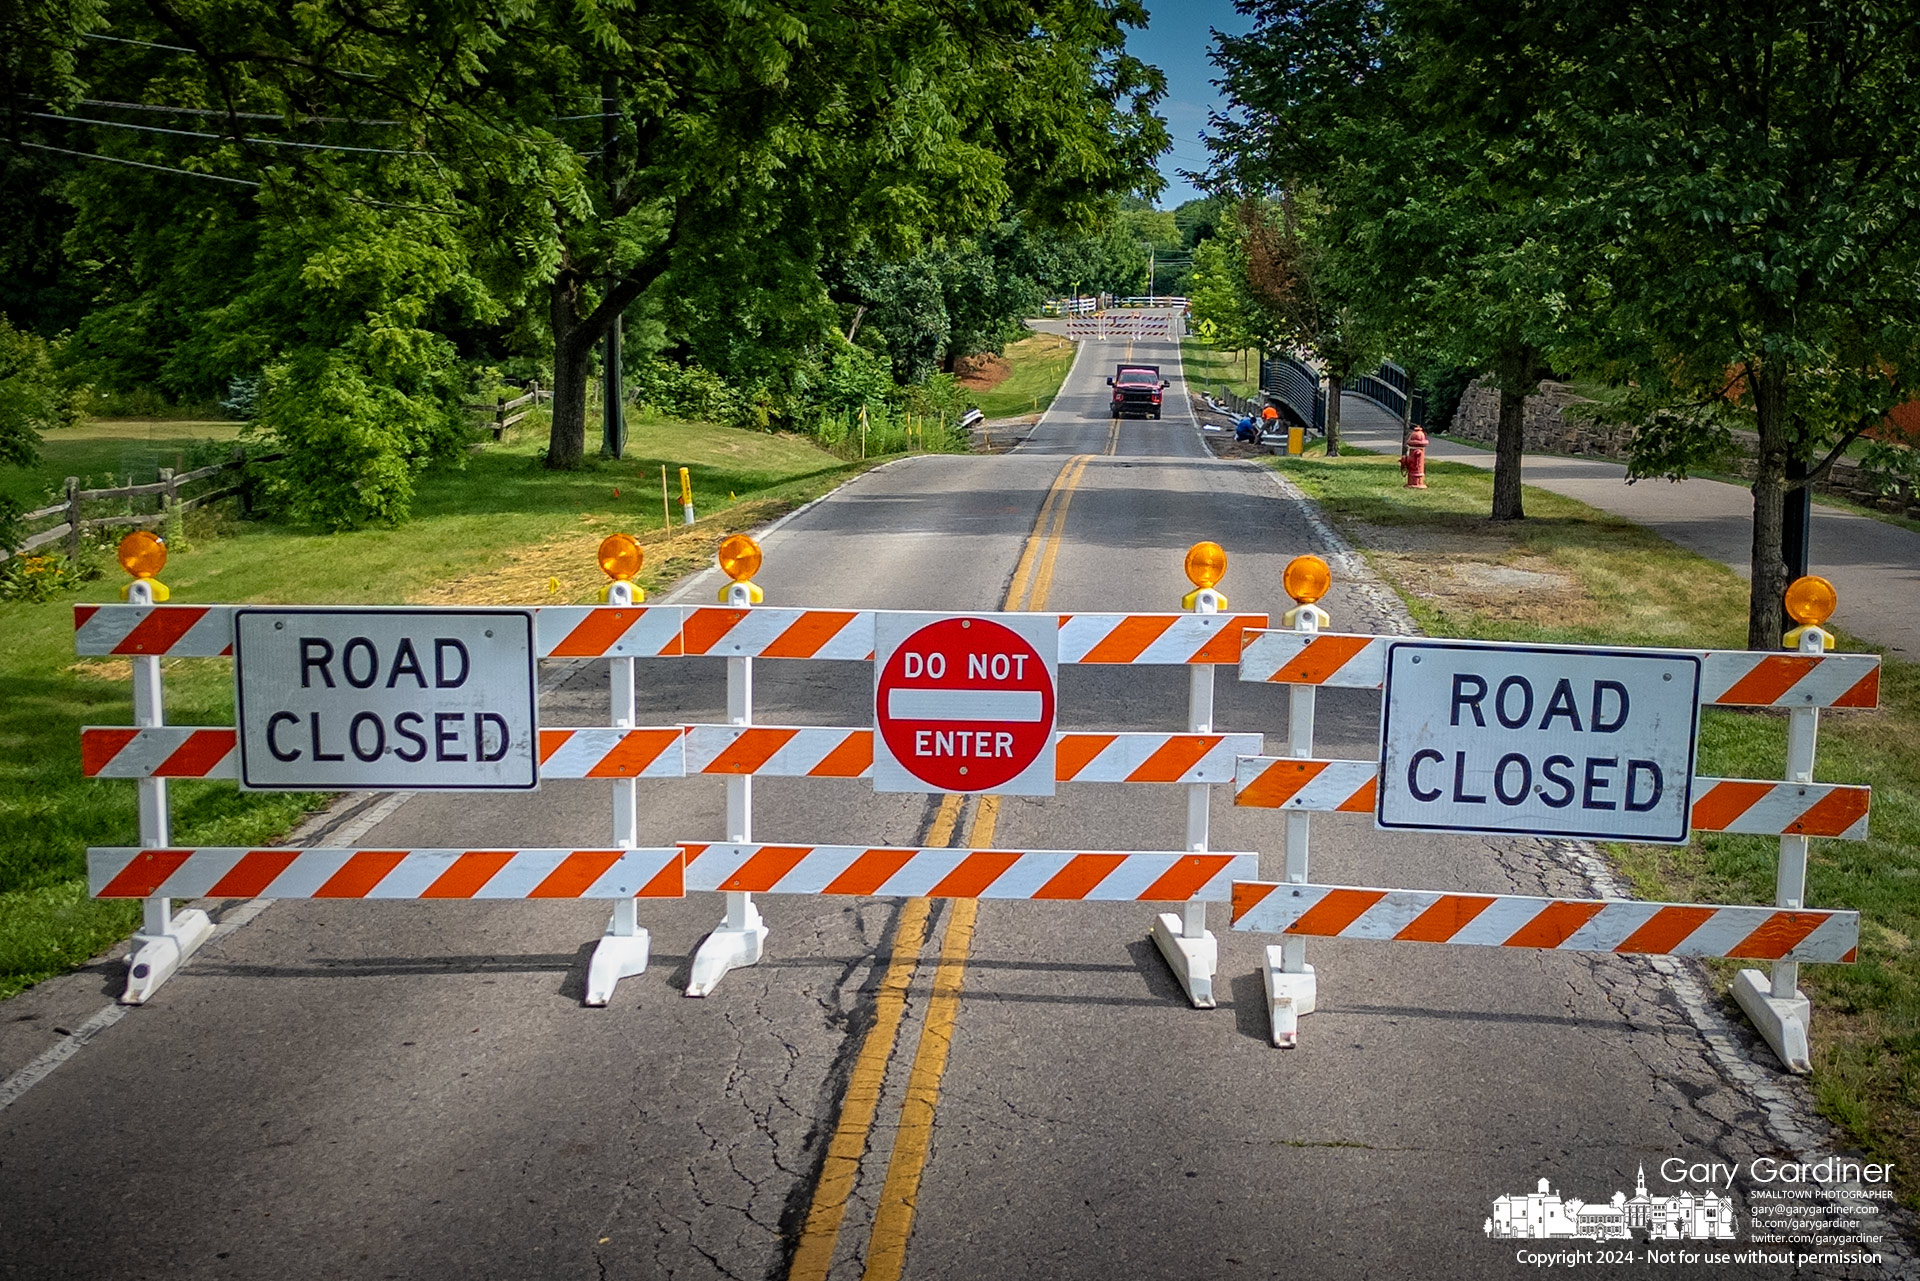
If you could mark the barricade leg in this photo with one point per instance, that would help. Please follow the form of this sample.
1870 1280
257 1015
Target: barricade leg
1184 940
742 935
1293 989
166 938
1775 1003
622 951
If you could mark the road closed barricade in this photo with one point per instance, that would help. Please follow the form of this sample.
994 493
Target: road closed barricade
1584 742
422 699
1570 742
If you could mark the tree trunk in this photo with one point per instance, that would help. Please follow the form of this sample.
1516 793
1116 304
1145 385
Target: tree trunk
574 338
572 371
1333 416
1765 610
1508 450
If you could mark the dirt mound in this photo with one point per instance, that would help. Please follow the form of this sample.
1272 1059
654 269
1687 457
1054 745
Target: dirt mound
983 372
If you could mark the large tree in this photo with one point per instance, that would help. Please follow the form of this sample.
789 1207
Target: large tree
353 197
812 130
1752 165
1424 233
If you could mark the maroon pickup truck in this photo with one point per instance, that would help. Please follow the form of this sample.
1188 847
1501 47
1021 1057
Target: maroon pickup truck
1136 390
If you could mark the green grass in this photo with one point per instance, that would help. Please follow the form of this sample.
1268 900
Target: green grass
104 453
1209 369
1620 584
1040 364
500 530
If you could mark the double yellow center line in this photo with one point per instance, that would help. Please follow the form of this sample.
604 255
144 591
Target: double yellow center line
886 1253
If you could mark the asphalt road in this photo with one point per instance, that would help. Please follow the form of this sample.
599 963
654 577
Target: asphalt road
351 1090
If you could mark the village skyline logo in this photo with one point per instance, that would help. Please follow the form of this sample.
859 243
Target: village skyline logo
1543 1215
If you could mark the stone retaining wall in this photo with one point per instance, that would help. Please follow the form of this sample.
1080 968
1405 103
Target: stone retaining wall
1548 430
1544 422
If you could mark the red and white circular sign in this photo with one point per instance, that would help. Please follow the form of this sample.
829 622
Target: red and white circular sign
965 705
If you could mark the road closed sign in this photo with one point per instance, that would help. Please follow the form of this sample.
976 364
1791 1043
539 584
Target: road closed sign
1538 740
346 699
964 703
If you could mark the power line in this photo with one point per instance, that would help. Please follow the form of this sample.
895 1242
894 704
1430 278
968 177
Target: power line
240 115
144 44
141 164
215 137
268 115
239 182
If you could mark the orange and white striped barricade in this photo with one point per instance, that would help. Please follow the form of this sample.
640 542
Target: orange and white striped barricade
183 751
743 632
622 874
623 629
1728 678
1080 756
740 633
625 947
153 752
1190 948
1145 876
1804 682
165 939
1568 925
1794 810
791 751
1754 806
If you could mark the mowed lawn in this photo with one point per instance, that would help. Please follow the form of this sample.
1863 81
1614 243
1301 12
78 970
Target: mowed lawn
1210 369
105 453
1039 365
1570 574
500 530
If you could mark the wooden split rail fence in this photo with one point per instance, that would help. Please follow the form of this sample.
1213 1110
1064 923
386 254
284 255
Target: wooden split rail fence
509 413
170 491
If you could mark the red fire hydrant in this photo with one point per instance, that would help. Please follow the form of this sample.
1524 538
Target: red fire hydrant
1414 462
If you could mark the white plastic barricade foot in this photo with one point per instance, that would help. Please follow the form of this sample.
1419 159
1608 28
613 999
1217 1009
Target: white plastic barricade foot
621 953
1289 995
1781 1021
740 941
156 956
1194 960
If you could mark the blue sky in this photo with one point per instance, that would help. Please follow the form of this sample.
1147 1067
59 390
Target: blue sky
1176 40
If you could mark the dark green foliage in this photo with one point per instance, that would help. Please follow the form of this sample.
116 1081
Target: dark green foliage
33 399
355 440
354 204
1444 387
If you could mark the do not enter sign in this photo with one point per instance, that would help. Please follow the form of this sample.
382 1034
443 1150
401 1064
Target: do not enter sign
964 704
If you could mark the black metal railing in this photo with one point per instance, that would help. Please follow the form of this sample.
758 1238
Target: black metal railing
1302 389
1298 386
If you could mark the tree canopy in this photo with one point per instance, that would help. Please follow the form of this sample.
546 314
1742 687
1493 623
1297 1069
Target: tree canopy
1709 204
356 201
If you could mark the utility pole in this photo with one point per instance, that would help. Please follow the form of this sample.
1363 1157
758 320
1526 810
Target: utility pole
613 416
1796 527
